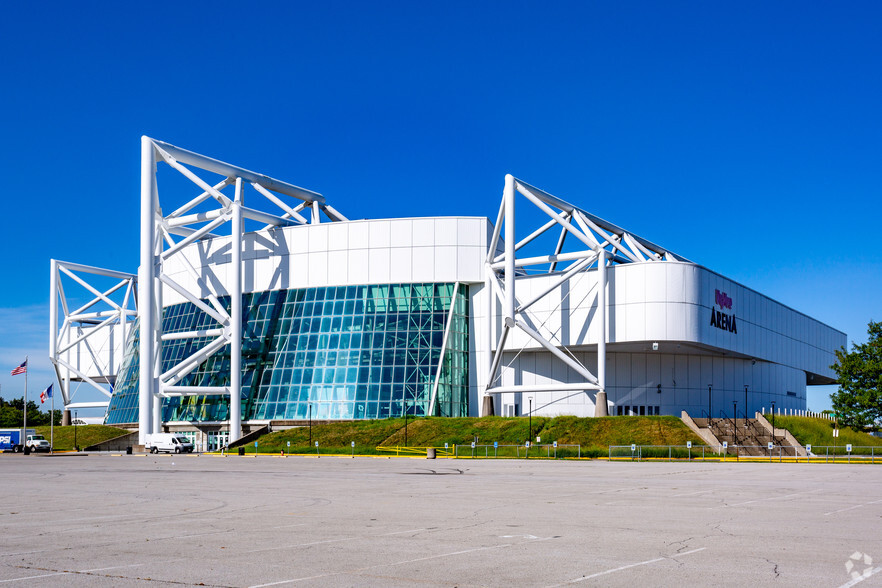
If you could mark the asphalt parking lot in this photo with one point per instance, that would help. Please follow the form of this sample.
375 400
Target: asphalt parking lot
104 520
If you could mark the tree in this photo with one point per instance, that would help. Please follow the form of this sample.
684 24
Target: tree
10 414
859 375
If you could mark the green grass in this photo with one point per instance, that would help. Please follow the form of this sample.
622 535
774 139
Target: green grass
819 433
85 435
593 434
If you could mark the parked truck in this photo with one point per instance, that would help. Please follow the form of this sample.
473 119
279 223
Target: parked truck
14 439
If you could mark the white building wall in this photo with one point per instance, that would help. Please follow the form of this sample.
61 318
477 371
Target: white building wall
633 380
672 302
444 249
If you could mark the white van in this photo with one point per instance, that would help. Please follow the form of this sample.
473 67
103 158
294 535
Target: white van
168 442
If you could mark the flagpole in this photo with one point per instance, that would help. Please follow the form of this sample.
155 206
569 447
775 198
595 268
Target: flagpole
25 431
52 423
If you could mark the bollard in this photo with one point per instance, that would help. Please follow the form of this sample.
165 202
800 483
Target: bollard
241 451
129 450
430 453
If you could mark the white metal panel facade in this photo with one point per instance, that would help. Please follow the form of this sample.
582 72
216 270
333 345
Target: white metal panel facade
444 249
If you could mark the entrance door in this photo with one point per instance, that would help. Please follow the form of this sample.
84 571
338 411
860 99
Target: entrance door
217 440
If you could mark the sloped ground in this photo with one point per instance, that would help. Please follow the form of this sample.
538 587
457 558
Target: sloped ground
595 435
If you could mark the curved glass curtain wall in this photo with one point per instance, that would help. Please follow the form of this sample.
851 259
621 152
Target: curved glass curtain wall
346 352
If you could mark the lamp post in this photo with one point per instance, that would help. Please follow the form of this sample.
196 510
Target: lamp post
709 413
735 420
745 403
309 416
530 419
76 447
773 420
404 408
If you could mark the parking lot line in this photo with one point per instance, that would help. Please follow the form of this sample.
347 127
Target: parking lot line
629 566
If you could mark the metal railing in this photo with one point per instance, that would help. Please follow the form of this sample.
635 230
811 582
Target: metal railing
551 451
779 453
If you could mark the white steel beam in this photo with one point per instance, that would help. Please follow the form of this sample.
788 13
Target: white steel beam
600 405
278 202
146 289
557 352
556 284
228 170
169 391
235 289
543 259
541 388
192 334
200 199
83 377
443 350
193 299
185 366
75 405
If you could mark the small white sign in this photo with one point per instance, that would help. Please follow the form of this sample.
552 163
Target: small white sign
555 444
835 432
473 444
725 445
808 448
527 444
689 445
848 448
289 444
445 446
353 443
316 443
633 447
538 439
771 445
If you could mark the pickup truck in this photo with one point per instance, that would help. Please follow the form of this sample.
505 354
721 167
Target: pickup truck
37 443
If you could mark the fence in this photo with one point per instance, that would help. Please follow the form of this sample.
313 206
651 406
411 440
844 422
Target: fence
544 451
779 453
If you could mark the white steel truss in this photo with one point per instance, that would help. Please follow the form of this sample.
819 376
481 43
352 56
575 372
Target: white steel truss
96 331
162 236
601 244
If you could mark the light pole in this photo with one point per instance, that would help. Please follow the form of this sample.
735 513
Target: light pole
530 420
709 413
745 403
773 420
309 416
404 408
76 447
735 420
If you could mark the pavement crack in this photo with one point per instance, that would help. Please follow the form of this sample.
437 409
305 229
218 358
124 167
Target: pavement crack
774 567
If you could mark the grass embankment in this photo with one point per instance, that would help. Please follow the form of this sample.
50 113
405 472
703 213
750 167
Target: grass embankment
594 435
819 433
85 435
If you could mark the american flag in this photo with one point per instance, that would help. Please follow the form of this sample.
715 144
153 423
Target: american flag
22 369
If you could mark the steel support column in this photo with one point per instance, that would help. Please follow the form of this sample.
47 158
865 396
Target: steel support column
146 286
600 405
235 290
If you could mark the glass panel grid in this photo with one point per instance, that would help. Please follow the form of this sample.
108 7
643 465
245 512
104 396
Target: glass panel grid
338 352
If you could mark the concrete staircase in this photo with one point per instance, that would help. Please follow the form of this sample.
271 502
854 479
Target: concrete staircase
745 437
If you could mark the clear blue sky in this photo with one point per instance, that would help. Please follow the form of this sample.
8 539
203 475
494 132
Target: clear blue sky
744 136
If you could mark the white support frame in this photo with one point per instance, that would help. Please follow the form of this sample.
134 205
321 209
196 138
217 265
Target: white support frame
78 327
605 244
158 244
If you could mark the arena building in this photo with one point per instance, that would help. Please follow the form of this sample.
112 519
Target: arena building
258 302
